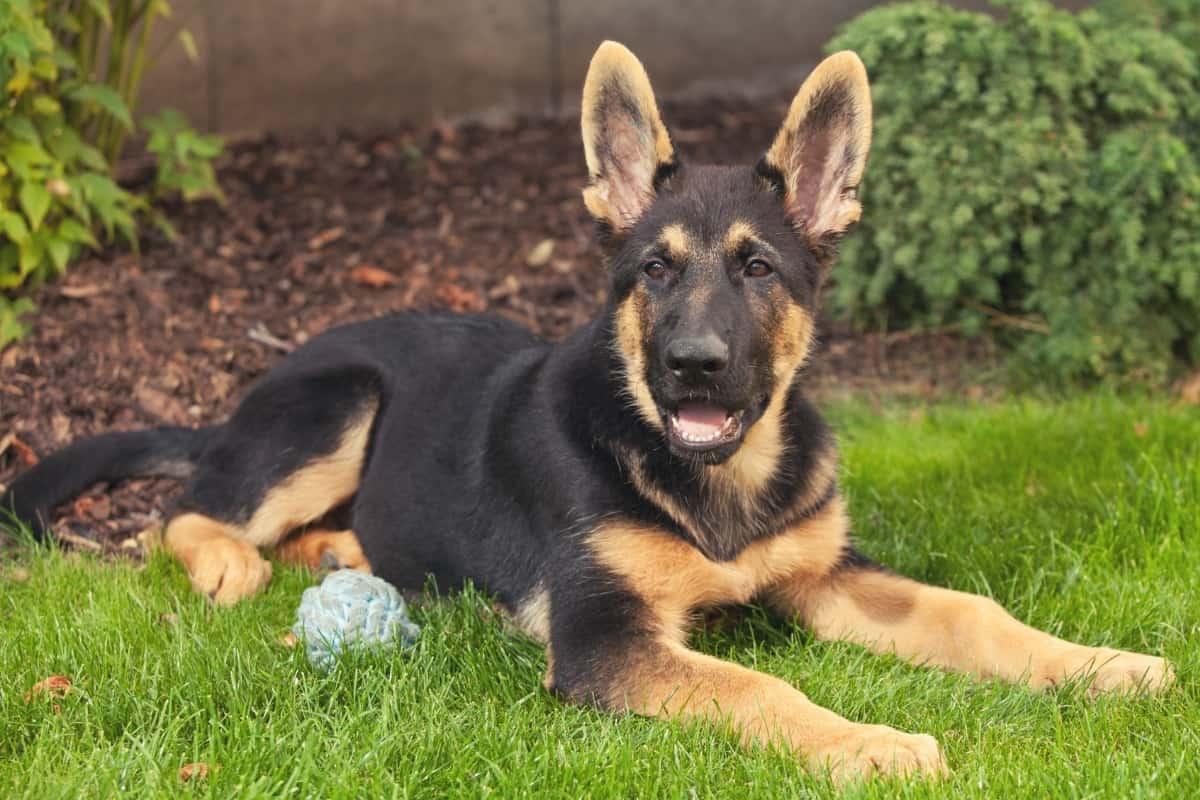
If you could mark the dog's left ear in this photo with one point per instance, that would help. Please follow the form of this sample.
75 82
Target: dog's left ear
817 158
624 140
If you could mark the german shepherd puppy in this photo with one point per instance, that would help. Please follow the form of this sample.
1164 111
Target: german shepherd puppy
661 460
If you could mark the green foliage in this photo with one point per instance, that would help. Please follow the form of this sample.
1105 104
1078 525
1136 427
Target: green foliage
55 187
184 157
1179 18
11 312
69 76
108 43
1036 173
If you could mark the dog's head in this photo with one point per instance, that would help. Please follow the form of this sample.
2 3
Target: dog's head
716 271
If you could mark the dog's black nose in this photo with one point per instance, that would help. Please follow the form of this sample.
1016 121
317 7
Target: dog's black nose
697 358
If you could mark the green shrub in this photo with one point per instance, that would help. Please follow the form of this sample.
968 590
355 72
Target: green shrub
69 75
1036 174
1179 18
184 157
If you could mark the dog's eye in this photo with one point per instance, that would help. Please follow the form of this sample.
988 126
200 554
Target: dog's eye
757 268
655 269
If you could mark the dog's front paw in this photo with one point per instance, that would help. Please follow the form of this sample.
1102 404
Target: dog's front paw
869 750
228 570
1111 671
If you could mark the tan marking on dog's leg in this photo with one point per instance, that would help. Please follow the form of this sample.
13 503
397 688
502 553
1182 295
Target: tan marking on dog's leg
323 549
548 679
532 616
660 677
668 681
308 493
958 631
219 563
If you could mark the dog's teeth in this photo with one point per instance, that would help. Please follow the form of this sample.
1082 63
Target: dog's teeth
697 439
727 428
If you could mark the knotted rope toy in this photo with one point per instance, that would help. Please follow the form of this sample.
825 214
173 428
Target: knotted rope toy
351 610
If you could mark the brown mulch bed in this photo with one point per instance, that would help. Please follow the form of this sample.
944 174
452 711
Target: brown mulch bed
323 230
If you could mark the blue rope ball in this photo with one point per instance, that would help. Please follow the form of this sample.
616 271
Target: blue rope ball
351 610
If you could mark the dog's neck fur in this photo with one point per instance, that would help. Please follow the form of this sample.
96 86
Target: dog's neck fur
715 511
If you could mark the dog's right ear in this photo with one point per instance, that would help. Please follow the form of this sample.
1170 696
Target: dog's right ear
627 147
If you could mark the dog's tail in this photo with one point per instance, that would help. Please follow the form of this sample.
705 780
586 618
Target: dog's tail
156 452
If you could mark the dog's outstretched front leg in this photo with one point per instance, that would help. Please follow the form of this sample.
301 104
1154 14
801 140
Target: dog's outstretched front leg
658 678
867 604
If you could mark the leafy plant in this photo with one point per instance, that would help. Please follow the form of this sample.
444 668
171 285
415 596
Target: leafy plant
109 43
1037 174
54 186
1179 18
184 157
70 71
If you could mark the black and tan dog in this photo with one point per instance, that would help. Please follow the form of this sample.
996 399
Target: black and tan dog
661 460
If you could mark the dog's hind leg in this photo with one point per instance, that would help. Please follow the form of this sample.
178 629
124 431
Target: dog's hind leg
220 565
292 451
323 549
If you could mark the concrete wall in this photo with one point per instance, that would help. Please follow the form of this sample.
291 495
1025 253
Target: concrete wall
300 64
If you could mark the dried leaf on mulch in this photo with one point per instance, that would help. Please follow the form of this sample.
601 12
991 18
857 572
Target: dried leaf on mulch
25 454
372 276
326 237
95 506
79 292
540 254
161 406
60 427
456 298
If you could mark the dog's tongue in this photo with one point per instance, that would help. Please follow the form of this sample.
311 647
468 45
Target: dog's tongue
700 420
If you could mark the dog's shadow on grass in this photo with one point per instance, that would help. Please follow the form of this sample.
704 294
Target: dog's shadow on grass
731 631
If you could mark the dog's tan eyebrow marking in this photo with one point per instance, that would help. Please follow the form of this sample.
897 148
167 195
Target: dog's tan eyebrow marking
677 241
739 234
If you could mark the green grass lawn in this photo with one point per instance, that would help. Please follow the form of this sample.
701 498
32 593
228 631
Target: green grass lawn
1061 511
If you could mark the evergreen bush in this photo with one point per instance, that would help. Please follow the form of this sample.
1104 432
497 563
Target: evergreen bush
1036 174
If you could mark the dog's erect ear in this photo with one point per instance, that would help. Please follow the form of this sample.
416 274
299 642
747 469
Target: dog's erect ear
817 158
624 139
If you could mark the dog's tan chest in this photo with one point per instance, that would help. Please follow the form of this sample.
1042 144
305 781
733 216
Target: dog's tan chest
674 578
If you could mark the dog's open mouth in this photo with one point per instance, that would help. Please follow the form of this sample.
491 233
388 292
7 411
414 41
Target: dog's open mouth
698 425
